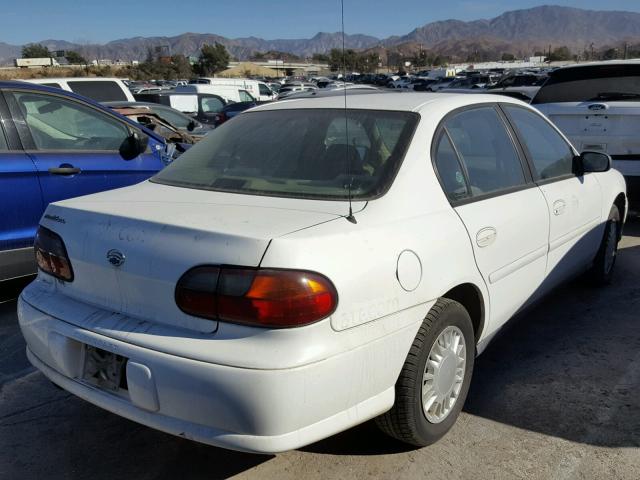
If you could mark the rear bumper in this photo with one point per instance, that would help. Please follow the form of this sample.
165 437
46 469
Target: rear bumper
245 409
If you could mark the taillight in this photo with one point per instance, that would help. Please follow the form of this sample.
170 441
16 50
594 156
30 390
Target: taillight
51 254
260 297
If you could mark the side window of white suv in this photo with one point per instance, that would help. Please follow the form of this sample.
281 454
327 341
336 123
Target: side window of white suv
489 159
549 152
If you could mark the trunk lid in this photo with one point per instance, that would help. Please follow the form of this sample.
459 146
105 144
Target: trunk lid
161 232
606 126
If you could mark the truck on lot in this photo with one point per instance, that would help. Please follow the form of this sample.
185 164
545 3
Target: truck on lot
36 62
204 107
258 90
230 93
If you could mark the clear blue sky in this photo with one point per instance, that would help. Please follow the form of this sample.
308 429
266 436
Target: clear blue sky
89 21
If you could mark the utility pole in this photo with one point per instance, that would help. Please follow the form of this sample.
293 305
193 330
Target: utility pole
626 50
592 55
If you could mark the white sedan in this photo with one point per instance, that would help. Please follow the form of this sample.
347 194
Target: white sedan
306 268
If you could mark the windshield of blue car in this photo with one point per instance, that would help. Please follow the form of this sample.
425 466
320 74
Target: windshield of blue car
588 84
300 153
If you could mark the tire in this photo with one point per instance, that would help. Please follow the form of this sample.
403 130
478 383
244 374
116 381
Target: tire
407 420
601 272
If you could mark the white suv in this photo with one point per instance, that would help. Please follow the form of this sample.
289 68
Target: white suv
307 267
597 105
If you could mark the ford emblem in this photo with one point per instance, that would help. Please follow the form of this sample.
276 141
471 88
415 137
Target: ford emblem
597 106
115 257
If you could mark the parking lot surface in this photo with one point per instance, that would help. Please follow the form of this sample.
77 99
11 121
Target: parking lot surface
556 395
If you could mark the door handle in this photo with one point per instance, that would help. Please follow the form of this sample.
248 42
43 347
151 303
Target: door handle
486 236
64 170
558 207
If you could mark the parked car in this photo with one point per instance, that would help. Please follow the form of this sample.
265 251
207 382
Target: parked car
258 90
520 85
203 107
294 88
405 82
597 105
228 93
56 145
423 84
100 89
307 267
471 82
331 92
233 109
181 121
440 83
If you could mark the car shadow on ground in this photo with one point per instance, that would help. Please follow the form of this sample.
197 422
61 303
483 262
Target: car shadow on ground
565 368
570 368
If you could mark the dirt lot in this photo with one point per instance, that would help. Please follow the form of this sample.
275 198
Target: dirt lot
556 396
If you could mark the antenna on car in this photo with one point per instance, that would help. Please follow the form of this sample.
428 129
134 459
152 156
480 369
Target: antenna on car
350 217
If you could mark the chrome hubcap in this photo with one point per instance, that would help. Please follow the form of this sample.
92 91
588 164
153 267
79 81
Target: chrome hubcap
444 374
610 253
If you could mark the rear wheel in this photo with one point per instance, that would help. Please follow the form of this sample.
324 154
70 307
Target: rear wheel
601 272
435 378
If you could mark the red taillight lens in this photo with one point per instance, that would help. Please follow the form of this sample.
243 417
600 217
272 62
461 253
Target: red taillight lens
196 292
261 297
51 255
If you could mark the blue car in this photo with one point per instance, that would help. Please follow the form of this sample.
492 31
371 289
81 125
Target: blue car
56 145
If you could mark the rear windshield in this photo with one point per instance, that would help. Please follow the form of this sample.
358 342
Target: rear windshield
301 153
584 84
106 91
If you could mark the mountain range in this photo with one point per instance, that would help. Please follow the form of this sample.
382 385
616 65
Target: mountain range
518 32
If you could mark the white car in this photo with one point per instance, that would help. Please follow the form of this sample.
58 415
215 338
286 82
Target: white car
597 106
100 89
305 268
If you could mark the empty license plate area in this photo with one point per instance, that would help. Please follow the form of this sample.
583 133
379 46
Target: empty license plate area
104 369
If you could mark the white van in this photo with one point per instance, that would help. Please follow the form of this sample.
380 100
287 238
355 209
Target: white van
258 90
100 89
229 92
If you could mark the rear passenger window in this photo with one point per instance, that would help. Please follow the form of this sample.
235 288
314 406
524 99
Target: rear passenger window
100 91
211 104
245 96
486 150
450 170
549 152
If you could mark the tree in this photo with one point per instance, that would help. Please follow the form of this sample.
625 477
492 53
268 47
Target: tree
560 54
508 57
213 59
320 58
74 58
35 50
181 66
611 54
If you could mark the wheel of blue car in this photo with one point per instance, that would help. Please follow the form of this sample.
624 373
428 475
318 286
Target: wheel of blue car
601 272
434 381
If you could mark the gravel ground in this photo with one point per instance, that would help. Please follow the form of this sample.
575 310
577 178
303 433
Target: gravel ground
555 396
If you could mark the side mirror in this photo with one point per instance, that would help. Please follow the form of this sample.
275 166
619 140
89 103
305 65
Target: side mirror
589 162
133 145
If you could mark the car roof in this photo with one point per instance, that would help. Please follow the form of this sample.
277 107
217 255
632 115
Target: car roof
15 84
73 79
600 64
397 101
